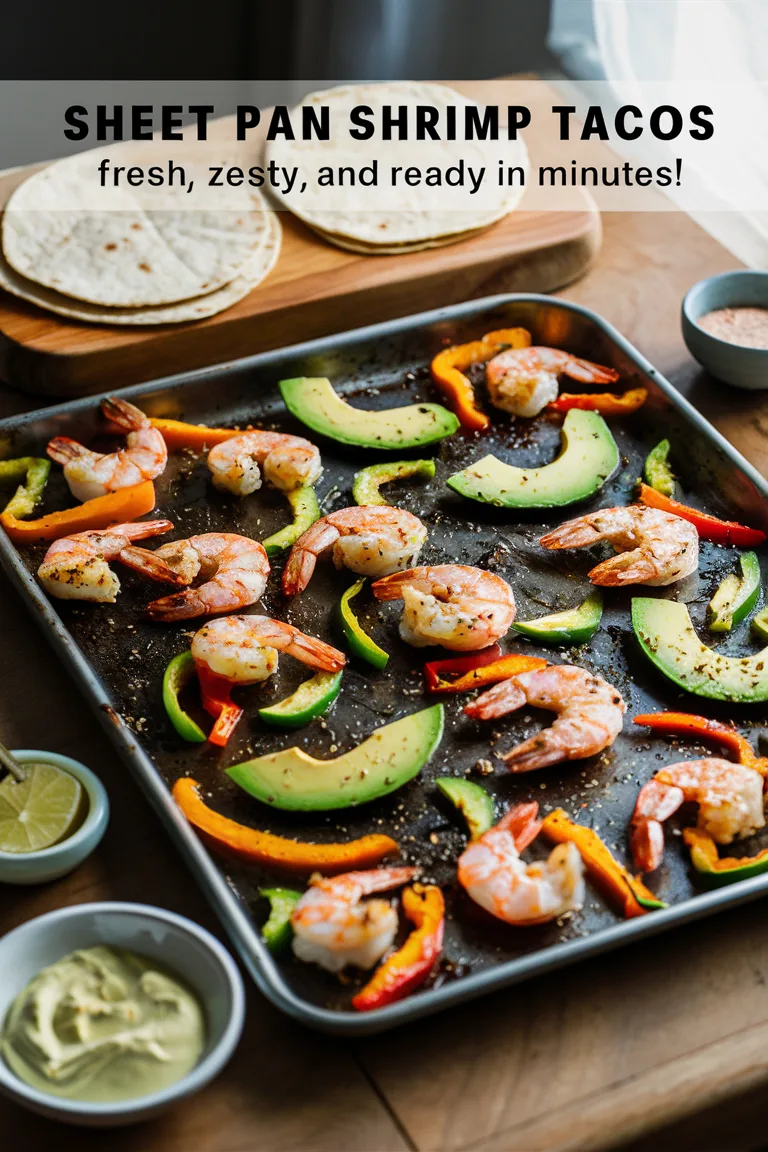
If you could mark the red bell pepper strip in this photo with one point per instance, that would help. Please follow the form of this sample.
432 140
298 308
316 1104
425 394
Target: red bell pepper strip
479 674
684 724
265 849
611 877
436 670
409 967
606 403
708 527
122 506
217 701
449 366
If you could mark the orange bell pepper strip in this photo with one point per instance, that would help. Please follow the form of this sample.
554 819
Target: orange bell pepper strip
263 848
122 506
714 870
708 527
409 967
606 403
684 724
449 367
481 675
178 434
612 878
215 695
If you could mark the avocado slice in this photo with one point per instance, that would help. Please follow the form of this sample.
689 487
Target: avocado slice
575 626
314 401
312 698
667 636
306 510
474 803
736 596
390 757
365 489
588 457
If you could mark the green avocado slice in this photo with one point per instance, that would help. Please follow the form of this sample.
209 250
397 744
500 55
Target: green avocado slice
667 636
312 698
736 595
587 459
306 510
390 757
474 803
314 401
575 626
360 643
367 482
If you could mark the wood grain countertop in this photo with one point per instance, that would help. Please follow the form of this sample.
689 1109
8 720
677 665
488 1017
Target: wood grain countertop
585 1058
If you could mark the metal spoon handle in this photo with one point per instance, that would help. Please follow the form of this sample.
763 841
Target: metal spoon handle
11 764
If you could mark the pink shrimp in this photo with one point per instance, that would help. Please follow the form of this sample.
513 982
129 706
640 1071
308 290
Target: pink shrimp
524 380
288 462
77 567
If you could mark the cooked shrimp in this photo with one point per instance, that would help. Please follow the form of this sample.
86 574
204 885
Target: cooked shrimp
589 711
244 649
373 541
333 927
494 876
91 474
729 796
460 607
235 570
653 547
77 567
524 380
287 462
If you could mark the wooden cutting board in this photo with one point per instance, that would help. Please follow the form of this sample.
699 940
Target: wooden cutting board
314 290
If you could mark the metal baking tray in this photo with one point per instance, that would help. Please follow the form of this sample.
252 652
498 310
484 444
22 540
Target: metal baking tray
117 657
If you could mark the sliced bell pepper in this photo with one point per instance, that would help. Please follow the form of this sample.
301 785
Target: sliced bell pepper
359 641
574 626
438 672
449 366
277 932
178 434
367 482
472 800
615 882
116 507
306 510
736 596
606 403
685 724
409 967
215 692
312 698
180 671
479 674
31 474
708 527
714 870
263 848
657 471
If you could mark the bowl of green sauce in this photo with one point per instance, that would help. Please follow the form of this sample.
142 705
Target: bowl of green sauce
111 1013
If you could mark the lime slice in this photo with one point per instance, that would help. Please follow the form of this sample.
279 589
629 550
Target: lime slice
41 810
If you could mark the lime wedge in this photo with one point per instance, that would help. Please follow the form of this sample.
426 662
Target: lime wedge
41 810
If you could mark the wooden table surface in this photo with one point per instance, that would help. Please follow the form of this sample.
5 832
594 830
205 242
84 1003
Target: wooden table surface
589 1057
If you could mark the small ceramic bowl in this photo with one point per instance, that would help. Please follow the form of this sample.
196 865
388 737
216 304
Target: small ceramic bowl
51 863
743 367
183 948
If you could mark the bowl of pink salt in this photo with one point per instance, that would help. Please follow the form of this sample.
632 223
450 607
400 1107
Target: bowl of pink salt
725 326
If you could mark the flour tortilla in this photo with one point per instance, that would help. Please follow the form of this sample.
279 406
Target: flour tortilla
385 219
198 308
127 248
394 249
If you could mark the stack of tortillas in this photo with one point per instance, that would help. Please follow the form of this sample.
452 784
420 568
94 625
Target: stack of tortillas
131 256
389 220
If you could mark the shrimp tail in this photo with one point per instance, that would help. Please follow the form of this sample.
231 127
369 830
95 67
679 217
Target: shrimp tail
141 529
578 533
126 416
178 606
538 751
315 653
64 450
522 821
151 565
588 373
500 700
298 571
624 568
646 842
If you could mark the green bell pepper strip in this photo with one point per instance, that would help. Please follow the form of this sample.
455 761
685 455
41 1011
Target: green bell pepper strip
475 804
312 698
177 675
736 596
716 871
360 643
657 471
306 510
277 932
366 485
575 626
31 474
